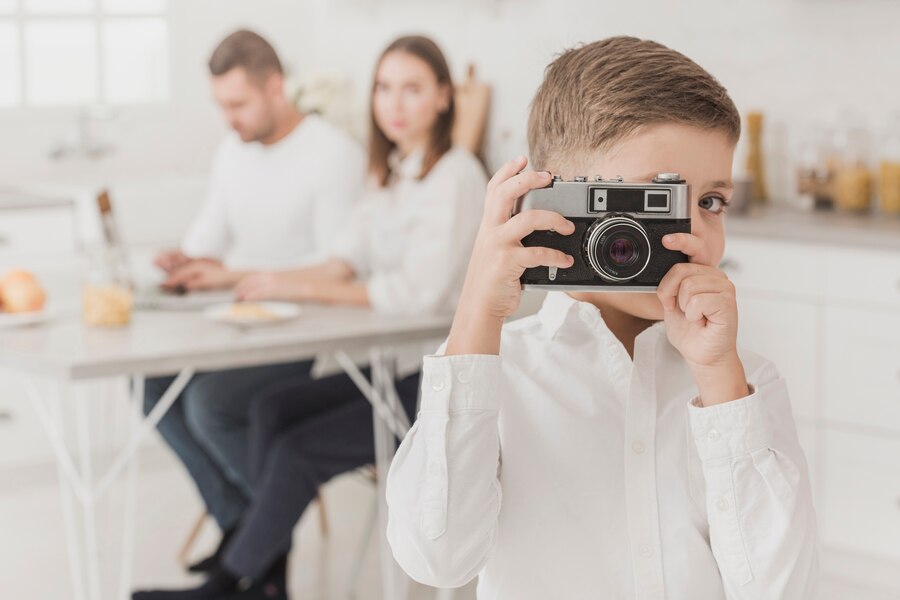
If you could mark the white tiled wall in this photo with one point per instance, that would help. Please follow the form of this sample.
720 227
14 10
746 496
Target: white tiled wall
798 60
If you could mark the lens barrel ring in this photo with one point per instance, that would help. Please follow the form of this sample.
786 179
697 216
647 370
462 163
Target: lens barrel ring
598 236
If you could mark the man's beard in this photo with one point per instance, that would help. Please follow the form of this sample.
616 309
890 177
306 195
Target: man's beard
261 133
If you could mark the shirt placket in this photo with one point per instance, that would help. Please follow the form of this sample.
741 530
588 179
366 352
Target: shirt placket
640 472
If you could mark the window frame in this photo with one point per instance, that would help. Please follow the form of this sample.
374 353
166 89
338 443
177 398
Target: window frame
98 16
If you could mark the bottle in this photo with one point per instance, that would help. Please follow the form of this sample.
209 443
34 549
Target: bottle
889 179
759 193
108 291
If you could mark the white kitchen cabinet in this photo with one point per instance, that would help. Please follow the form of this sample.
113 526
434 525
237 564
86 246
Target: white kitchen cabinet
787 333
828 316
22 439
862 494
37 232
774 267
863 278
862 368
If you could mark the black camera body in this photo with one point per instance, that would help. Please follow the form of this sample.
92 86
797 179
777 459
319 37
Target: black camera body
619 226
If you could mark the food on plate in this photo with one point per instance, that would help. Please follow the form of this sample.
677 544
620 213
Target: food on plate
250 310
20 292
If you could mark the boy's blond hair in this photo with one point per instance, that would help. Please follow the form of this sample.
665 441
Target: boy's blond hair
595 95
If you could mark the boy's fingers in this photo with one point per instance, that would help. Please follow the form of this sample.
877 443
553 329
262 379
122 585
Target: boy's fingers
705 306
502 200
530 221
667 291
506 171
690 245
539 256
699 284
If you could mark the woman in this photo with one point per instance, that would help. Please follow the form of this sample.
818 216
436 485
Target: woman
405 250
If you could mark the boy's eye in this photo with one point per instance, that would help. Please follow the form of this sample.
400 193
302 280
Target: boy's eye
714 204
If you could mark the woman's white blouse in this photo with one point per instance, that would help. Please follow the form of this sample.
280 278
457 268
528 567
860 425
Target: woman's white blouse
563 469
411 240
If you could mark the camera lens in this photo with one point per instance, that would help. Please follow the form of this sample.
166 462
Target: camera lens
617 248
622 250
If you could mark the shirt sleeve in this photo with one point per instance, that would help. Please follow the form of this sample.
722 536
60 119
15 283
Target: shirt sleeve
440 243
352 239
208 235
443 489
762 524
341 187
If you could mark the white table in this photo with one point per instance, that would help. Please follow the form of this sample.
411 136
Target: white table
65 352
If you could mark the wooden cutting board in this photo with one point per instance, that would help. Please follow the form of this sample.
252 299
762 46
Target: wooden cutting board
472 99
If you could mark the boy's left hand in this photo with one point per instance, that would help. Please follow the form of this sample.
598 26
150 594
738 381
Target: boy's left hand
702 320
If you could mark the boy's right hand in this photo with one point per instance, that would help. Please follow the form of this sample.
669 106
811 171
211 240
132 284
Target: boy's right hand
492 289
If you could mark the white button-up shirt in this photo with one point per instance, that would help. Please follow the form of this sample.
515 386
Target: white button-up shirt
563 469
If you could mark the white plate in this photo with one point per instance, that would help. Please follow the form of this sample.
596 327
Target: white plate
276 312
28 318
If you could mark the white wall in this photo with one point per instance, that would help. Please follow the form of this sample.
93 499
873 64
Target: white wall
797 60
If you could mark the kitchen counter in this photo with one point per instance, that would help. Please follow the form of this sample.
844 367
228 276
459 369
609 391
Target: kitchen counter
18 200
832 228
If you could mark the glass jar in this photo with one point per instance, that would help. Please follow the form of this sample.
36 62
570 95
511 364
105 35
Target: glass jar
889 170
107 295
853 184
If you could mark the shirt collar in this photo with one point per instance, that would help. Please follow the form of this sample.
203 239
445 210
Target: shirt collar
409 167
554 310
559 306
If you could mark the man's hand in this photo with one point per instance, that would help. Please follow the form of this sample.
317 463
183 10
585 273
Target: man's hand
702 321
199 275
170 260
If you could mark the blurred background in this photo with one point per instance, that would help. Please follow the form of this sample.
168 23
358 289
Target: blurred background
115 94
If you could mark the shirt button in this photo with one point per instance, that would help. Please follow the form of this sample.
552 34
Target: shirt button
638 447
464 376
722 504
437 384
589 315
714 435
646 551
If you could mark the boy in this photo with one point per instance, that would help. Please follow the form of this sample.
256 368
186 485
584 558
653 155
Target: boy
637 451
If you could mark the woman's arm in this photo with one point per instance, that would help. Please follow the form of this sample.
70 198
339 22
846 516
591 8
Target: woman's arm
294 284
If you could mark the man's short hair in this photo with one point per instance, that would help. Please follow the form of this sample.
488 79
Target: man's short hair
247 50
598 94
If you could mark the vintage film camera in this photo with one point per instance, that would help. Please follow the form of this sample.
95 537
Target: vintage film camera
617 243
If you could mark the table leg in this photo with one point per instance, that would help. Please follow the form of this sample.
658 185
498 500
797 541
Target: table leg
389 423
67 494
395 583
78 482
92 554
137 403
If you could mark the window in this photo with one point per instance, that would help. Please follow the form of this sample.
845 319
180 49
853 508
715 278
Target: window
76 52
